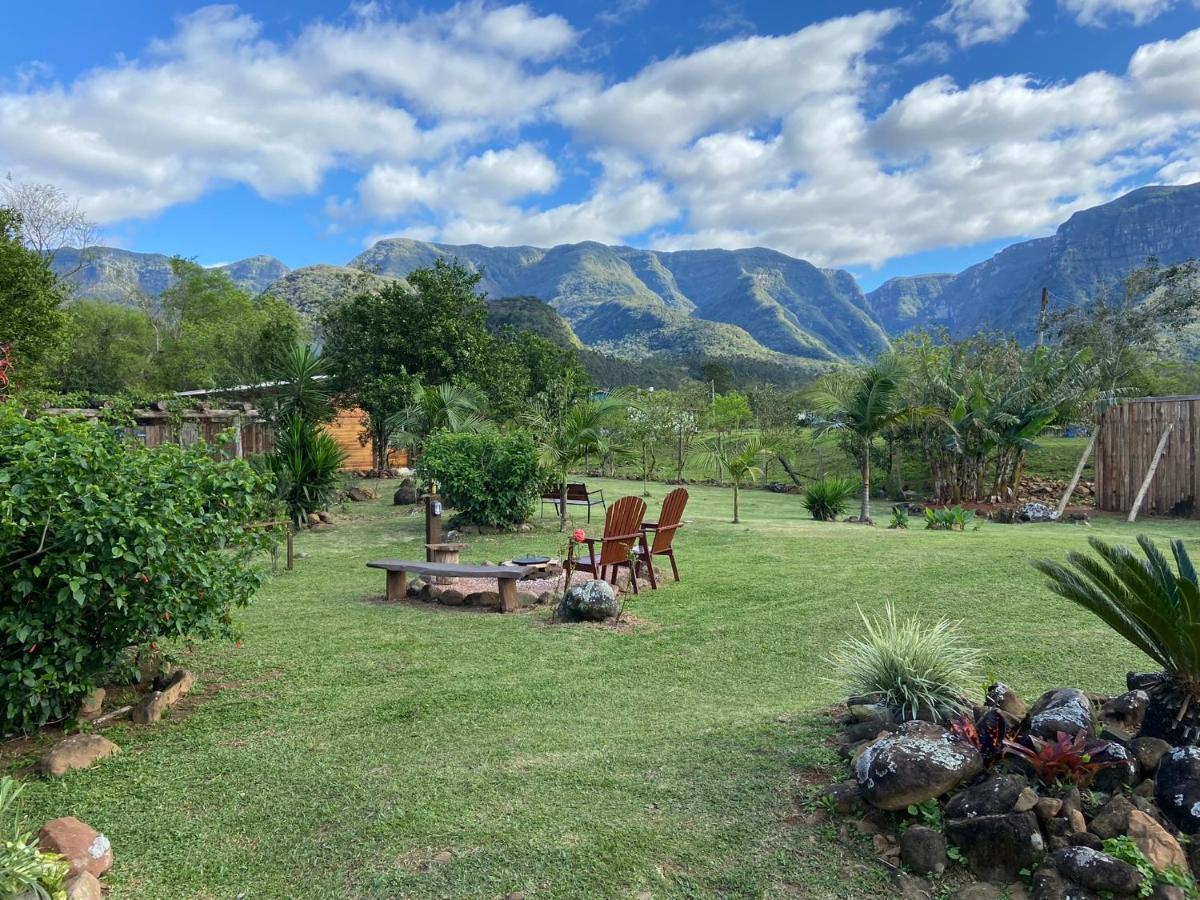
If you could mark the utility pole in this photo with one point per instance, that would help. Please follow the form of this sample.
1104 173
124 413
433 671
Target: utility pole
1042 315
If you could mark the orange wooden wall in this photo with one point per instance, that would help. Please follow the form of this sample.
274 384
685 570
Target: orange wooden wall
346 428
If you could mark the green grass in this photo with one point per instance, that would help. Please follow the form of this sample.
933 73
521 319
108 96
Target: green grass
346 742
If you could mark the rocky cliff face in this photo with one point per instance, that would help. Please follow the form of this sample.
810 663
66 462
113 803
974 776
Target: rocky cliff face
122 276
1093 249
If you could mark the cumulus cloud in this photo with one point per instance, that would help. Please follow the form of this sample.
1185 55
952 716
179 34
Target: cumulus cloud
982 21
1098 12
469 126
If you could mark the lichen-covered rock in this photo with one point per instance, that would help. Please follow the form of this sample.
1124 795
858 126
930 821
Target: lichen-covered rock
85 849
1177 788
1001 696
589 601
1097 871
1066 710
1127 710
998 847
916 763
1120 768
79 751
991 798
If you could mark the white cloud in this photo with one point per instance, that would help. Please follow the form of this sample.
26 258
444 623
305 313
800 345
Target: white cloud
983 21
453 124
1098 12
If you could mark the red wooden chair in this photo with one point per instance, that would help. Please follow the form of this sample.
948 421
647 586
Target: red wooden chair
670 520
622 533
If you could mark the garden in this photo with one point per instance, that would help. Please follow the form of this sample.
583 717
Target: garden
901 653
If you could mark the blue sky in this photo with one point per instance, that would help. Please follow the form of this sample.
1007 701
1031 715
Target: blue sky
884 139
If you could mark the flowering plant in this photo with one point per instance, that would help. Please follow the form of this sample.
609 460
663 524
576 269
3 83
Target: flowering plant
579 536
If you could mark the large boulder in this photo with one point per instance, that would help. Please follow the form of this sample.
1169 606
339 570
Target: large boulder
589 601
407 494
1067 710
916 763
85 849
998 847
79 751
1177 788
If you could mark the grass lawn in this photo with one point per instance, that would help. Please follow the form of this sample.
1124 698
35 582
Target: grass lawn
346 743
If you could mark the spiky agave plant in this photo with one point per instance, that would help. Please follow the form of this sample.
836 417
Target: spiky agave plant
1156 609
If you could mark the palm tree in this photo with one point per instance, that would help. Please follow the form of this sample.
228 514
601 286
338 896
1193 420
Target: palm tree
861 404
443 407
1155 609
567 432
738 459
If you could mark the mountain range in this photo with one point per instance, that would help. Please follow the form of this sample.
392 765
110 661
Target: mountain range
753 303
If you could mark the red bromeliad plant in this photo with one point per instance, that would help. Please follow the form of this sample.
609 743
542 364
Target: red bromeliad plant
989 734
1065 758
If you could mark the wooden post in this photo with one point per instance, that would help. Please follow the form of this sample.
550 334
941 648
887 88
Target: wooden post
291 550
508 595
1087 452
1158 452
395 584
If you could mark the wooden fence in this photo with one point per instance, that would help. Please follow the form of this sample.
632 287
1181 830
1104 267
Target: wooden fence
155 427
1125 442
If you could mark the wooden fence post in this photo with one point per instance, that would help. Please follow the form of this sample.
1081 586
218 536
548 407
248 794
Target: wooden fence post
1087 451
1158 452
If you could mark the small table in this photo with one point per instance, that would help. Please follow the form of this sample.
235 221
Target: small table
444 553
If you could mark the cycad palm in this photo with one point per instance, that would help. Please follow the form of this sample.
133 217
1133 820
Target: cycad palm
862 404
739 460
1156 609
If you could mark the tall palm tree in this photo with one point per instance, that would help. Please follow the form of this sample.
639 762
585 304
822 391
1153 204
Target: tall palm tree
738 459
860 404
442 407
567 432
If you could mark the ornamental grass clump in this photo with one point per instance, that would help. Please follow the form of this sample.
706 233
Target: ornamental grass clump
915 669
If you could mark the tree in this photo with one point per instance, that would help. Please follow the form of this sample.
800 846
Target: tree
646 428
432 408
32 323
521 365
50 220
860 404
567 430
216 335
380 345
740 460
112 348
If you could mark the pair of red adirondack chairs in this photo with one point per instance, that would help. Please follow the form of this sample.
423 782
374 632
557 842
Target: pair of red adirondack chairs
625 543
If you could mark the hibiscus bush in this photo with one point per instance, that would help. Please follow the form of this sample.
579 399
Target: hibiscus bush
105 545
490 477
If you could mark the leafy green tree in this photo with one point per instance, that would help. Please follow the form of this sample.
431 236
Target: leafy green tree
860 404
381 345
217 335
738 459
32 323
112 349
522 365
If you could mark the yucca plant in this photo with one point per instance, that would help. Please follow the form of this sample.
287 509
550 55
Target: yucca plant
25 871
916 669
305 464
826 499
1155 608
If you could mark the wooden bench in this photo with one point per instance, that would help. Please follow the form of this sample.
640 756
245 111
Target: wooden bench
577 495
398 569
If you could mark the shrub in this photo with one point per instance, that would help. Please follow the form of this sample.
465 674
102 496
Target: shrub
489 477
105 545
826 499
25 870
305 465
899 518
1156 609
912 667
948 518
